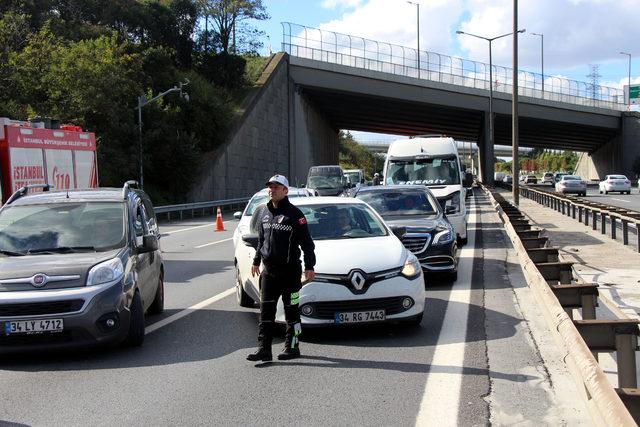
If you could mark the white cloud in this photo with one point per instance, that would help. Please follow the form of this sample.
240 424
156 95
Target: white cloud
576 32
342 4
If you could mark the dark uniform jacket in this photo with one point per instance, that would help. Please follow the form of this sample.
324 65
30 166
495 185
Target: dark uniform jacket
282 232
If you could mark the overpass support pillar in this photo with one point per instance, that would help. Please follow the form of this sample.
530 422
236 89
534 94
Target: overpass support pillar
485 153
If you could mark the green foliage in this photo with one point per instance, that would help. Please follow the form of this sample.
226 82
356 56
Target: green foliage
87 61
540 161
354 156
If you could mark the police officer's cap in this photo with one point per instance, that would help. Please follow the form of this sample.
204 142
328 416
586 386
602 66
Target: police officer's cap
279 179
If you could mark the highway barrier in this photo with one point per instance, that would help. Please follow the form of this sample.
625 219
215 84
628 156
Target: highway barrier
561 296
200 206
590 213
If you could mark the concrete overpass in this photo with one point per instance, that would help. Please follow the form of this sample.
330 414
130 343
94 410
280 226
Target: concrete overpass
292 120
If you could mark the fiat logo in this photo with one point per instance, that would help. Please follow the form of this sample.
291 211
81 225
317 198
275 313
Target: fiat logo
39 280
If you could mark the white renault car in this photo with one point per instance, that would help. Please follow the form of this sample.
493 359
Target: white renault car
615 183
363 272
256 200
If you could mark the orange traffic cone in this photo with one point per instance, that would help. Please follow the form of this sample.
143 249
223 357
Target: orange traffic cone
219 223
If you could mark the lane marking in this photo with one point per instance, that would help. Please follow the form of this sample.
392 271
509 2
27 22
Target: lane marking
214 243
620 200
190 228
179 315
442 393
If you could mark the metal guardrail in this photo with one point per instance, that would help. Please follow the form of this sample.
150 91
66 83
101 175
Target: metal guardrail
559 295
196 206
352 51
590 213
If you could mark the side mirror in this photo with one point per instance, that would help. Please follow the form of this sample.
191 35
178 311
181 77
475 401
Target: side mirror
237 215
250 240
303 185
449 209
149 244
399 231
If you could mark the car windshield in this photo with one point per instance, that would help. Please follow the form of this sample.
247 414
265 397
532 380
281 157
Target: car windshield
354 177
324 181
400 203
64 227
343 221
617 177
262 198
438 171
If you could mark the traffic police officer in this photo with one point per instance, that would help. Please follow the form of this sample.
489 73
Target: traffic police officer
282 232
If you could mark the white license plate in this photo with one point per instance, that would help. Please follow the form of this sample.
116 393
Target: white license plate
360 316
33 326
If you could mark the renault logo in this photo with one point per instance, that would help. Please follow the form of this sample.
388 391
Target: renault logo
39 280
357 280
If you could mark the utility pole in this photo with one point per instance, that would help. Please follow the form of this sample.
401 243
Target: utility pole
418 32
514 111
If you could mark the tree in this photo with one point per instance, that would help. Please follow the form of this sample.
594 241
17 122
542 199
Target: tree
228 18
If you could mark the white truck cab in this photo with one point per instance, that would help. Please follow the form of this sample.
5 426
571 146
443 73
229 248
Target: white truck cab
433 162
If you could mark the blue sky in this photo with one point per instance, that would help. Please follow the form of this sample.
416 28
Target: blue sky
577 33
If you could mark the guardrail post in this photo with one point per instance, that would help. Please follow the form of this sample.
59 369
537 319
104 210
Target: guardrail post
637 236
588 306
603 225
579 213
573 211
586 216
625 232
594 218
626 358
613 227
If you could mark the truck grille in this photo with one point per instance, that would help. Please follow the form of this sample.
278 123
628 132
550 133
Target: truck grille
328 309
40 308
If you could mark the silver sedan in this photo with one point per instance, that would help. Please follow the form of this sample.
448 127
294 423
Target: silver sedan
615 183
571 184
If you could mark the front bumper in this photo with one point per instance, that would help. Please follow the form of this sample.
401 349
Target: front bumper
459 223
439 258
380 295
83 327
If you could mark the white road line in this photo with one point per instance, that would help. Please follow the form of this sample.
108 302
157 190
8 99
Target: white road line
214 243
442 393
187 311
212 225
620 200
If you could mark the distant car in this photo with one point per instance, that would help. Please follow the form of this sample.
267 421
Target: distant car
548 178
558 175
615 183
260 198
530 179
522 178
508 179
571 184
429 235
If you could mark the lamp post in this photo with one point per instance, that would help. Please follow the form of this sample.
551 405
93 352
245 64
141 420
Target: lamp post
542 58
629 78
142 101
490 40
418 31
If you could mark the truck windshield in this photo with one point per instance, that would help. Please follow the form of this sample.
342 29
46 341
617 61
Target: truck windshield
434 171
63 227
324 181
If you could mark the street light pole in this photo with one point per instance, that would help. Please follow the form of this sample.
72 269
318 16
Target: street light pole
542 58
629 78
515 164
418 32
490 40
142 101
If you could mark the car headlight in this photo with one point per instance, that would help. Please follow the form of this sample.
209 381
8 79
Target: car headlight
453 201
411 268
105 272
443 233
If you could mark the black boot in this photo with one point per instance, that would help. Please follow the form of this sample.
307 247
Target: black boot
263 354
291 348
289 353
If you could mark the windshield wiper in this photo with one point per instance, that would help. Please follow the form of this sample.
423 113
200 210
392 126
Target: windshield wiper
11 253
61 249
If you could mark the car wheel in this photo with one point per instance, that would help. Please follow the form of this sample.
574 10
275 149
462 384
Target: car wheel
135 337
157 306
600 191
244 300
606 192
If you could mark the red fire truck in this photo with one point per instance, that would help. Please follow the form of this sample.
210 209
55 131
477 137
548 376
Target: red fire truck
64 158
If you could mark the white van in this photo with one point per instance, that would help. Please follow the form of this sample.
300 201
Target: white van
434 162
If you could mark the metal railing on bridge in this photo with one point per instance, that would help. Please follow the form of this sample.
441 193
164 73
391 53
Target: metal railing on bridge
352 51
200 206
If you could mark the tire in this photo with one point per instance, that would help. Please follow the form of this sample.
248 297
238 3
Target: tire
600 191
244 300
606 192
463 242
157 306
135 337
